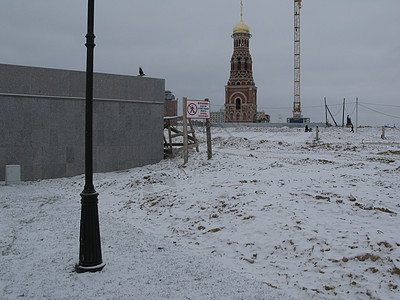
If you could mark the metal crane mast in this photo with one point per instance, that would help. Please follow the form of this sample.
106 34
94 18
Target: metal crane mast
296 105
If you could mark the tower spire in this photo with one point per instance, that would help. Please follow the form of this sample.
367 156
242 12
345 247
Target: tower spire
241 10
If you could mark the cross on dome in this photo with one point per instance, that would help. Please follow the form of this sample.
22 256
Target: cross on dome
241 27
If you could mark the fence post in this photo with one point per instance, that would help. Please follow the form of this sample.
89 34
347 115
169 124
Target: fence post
383 133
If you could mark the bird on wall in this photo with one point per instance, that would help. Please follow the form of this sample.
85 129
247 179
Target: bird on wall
141 73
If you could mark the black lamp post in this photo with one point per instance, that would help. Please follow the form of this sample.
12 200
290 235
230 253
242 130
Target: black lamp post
90 259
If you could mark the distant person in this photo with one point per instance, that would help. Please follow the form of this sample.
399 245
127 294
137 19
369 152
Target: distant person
352 128
306 128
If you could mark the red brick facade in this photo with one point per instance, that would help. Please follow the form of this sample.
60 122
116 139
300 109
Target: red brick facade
170 105
241 92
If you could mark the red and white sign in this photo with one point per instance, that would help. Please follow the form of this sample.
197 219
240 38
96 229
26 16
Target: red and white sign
197 109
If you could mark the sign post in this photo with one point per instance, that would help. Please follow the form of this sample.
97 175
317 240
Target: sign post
185 132
208 132
195 109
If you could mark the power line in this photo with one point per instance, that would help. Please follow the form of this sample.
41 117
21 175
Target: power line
397 117
331 105
266 107
354 109
379 104
288 107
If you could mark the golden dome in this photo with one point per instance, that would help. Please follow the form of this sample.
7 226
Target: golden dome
241 27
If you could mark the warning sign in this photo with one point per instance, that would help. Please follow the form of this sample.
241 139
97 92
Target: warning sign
197 109
192 109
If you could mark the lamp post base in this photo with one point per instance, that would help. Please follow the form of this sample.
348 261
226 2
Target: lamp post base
90 245
81 269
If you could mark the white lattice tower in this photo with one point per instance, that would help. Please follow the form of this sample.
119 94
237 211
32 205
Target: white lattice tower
296 104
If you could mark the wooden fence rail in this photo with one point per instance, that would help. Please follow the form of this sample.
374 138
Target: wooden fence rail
173 133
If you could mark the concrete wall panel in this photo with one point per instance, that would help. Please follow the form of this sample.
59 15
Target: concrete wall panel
42 115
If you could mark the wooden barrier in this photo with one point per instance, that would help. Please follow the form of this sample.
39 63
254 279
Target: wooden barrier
187 137
171 144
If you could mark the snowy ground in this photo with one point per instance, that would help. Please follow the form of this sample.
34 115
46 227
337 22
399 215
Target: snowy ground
273 213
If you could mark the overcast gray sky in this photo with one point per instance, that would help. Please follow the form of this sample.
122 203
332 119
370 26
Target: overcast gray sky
349 48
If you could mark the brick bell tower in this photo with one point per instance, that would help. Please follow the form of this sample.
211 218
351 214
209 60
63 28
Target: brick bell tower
241 92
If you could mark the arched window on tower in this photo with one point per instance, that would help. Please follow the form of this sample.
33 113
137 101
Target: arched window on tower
239 64
245 64
238 104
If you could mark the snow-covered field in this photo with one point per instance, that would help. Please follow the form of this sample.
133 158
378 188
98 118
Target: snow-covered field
274 214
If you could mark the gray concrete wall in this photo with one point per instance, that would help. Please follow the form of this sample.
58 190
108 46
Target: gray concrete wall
42 115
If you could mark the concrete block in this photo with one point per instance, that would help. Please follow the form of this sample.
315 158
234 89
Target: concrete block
46 135
13 174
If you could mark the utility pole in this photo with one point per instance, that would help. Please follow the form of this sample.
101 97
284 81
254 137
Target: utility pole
344 104
327 108
326 113
356 114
